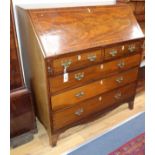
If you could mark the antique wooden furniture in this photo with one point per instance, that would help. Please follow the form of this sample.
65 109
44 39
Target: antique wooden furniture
22 118
84 61
138 7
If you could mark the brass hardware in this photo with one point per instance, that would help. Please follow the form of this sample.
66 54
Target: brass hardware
79 76
80 94
118 95
79 112
92 58
131 48
119 80
113 53
66 63
121 64
49 70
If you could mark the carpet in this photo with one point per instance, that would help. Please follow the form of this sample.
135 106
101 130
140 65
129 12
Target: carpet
136 146
118 139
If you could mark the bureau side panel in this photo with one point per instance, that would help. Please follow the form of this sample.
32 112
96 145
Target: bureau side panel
37 74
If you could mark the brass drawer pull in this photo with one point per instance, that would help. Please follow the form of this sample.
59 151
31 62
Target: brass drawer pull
113 53
118 95
66 63
132 48
79 76
79 112
92 58
80 94
121 64
119 80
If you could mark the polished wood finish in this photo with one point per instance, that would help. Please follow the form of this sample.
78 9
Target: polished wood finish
91 106
77 61
79 31
86 91
22 117
57 83
63 42
122 49
81 133
38 76
138 7
16 76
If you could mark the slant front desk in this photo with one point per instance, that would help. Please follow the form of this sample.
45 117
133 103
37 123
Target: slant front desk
84 62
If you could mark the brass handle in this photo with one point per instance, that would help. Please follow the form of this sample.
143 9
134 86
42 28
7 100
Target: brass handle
119 80
118 95
79 112
131 48
92 58
79 76
121 64
113 53
66 63
80 94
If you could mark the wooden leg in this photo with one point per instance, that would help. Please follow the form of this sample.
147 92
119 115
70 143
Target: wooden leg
54 139
131 104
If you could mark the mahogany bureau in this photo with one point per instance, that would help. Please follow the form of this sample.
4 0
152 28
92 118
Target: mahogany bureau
84 62
138 7
22 118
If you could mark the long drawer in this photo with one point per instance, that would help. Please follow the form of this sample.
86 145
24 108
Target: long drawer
78 78
76 95
67 116
77 61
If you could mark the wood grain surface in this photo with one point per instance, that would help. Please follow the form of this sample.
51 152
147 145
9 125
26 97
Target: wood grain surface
67 30
71 97
81 133
86 75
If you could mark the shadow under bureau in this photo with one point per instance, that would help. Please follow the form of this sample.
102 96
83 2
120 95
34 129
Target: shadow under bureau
84 61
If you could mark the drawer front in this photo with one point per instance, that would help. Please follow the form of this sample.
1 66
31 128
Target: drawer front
76 61
123 49
76 95
82 76
91 106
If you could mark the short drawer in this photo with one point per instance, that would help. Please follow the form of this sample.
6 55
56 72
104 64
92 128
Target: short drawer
122 49
71 115
77 61
76 95
78 78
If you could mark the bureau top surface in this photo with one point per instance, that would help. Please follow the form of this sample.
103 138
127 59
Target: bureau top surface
66 30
